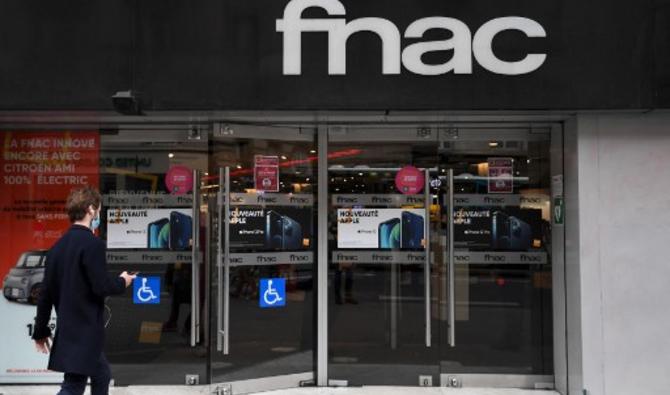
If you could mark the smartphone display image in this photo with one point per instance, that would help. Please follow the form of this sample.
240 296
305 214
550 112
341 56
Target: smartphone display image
282 232
181 230
510 233
520 234
389 233
156 236
292 234
411 232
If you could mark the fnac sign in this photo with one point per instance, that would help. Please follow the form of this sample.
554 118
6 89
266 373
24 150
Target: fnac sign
463 44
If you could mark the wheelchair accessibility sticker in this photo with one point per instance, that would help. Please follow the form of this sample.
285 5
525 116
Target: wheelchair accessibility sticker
272 292
147 290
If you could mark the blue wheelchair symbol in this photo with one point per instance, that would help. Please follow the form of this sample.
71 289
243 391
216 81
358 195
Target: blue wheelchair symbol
147 290
272 292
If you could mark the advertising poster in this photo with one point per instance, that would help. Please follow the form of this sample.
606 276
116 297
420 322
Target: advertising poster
277 228
498 228
38 170
501 175
383 228
266 173
164 228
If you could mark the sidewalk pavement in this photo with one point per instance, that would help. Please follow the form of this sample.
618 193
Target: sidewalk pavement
205 390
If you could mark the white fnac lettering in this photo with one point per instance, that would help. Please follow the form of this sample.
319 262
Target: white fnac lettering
266 199
299 258
462 42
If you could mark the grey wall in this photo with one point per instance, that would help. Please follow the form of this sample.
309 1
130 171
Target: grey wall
618 227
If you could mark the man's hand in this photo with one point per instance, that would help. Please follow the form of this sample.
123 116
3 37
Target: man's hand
128 278
44 345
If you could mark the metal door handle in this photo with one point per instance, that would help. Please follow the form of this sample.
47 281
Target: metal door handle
219 263
226 265
450 262
195 268
426 270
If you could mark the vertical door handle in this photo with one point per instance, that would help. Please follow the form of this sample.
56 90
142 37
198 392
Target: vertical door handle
195 267
426 269
226 263
219 262
450 262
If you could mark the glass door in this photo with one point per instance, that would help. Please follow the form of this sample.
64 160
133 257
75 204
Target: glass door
261 186
496 290
382 328
151 222
439 247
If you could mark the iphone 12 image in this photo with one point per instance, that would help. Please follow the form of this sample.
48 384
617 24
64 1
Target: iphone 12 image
282 232
388 233
156 238
411 233
181 230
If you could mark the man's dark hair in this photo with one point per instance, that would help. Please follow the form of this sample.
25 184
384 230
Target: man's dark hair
80 200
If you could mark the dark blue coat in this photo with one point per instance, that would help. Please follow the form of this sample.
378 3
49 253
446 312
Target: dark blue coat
76 283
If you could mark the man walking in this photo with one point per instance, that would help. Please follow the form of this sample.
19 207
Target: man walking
76 283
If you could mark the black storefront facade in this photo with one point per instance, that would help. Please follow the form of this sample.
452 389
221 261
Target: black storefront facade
349 193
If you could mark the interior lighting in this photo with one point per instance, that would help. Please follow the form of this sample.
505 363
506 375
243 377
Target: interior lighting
170 155
493 144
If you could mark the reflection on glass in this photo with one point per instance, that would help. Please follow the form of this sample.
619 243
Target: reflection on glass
502 254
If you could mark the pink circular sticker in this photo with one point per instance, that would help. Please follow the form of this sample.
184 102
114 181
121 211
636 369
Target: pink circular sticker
179 180
409 180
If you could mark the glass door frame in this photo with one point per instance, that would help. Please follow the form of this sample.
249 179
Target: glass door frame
321 376
221 262
459 379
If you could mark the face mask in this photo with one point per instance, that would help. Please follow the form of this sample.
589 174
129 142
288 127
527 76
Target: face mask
95 223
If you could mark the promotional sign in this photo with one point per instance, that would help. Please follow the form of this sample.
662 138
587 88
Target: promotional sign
279 228
147 290
272 292
179 180
266 173
37 171
498 228
150 228
409 180
501 175
380 228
